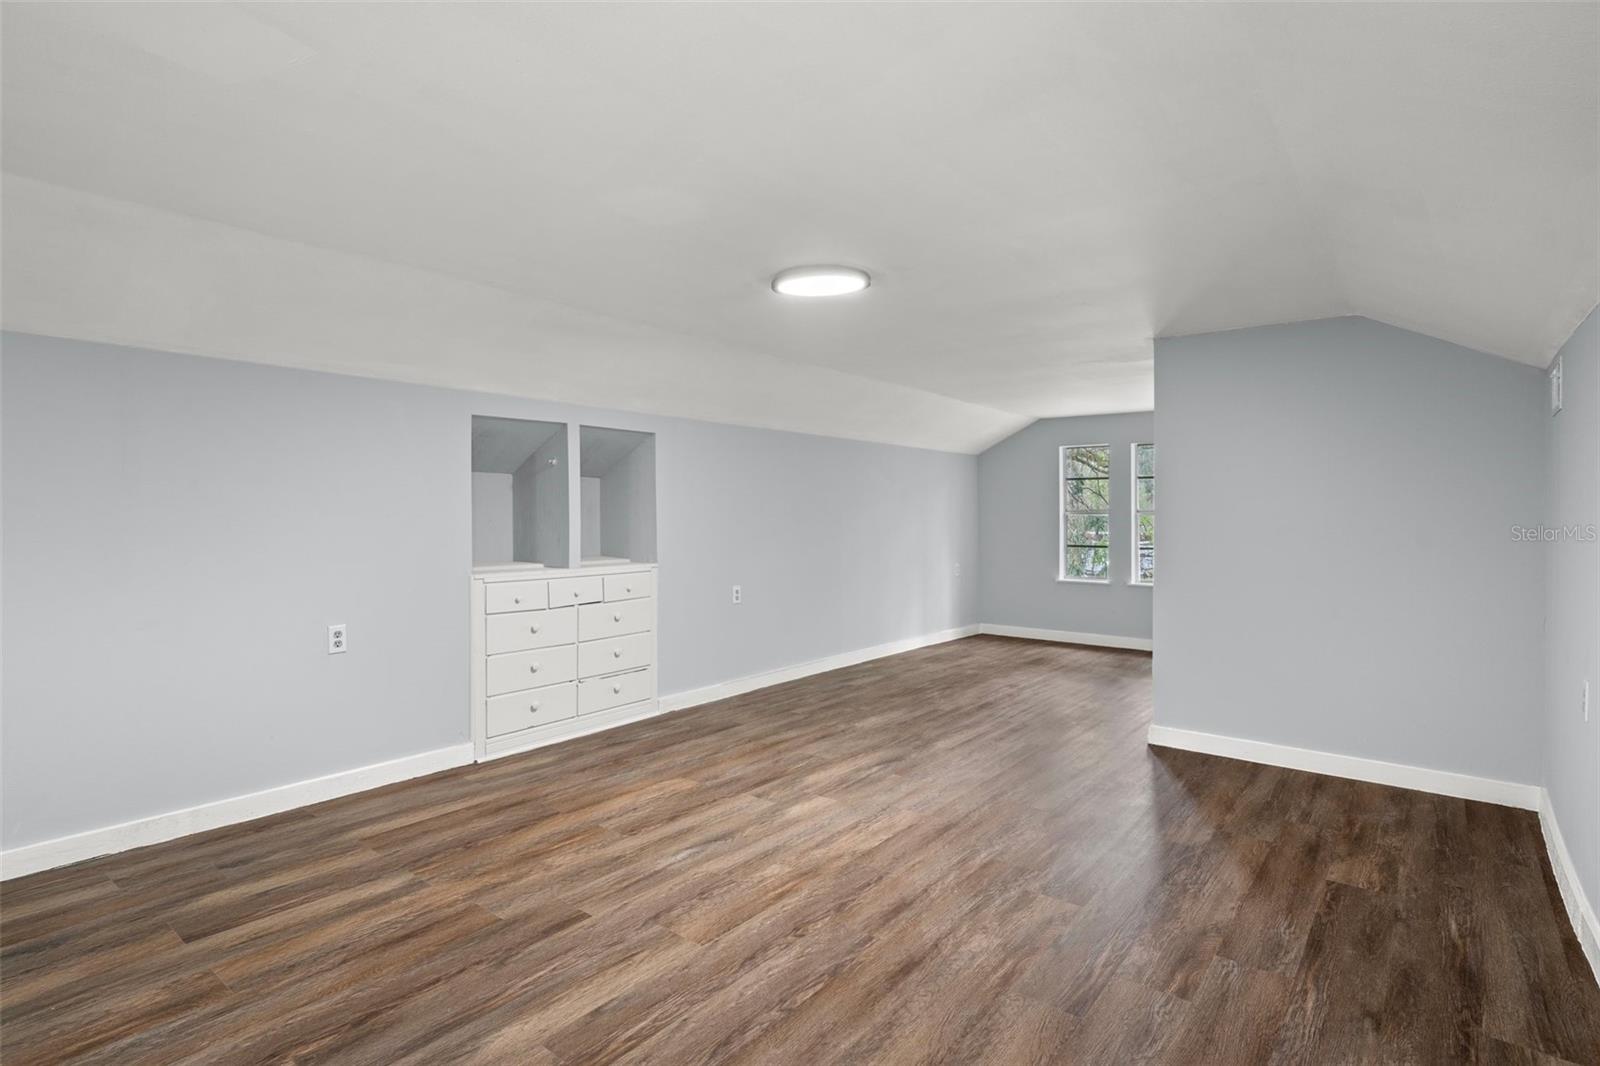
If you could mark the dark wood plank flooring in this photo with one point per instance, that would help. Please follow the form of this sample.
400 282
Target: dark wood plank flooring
962 854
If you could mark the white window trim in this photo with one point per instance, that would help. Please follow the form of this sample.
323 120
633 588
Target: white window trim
1061 518
1133 511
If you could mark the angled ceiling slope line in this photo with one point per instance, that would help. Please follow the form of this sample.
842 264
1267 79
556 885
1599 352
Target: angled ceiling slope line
103 270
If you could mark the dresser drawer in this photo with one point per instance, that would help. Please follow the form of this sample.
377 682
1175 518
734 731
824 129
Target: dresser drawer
536 706
603 693
597 621
569 590
616 654
528 669
630 586
502 596
529 629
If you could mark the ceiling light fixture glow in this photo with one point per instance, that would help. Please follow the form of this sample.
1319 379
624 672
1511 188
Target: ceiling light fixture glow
820 281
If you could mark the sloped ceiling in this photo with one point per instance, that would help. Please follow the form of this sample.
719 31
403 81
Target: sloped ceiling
502 445
586 201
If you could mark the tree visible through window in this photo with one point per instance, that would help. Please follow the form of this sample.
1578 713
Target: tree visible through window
1144 514
1086 512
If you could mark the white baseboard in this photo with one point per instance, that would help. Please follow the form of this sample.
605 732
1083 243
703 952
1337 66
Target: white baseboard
1441 782
1579 910
738 686
1462 786
48 854
1062 636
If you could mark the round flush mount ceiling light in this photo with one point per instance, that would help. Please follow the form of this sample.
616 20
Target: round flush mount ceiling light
820 281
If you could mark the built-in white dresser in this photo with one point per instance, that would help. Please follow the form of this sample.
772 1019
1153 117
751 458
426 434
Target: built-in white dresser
559 653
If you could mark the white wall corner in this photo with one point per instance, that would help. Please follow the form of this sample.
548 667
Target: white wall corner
49 854
1488 790
1062 636
1419 778
1579 910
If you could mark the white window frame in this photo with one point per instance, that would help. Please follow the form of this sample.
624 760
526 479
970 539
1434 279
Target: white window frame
1135 512
1061 516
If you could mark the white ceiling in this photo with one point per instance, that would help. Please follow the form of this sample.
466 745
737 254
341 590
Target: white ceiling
585 201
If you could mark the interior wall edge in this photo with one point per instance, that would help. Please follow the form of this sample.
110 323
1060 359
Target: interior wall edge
1580 911
1356 768
1062 636
1299 417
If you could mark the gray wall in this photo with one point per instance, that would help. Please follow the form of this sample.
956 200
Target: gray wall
589 501
491 518
1359 592
1572 570
179 532
541 530
1018 539
628 505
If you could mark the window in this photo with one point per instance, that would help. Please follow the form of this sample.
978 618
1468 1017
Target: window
1086 513
1144 514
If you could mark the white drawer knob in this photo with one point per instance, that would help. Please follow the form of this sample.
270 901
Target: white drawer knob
627 588
617 617
575 593
533 629
534 669
616 653
516 599
616 688
532 707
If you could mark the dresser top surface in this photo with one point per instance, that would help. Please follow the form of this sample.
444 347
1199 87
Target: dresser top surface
528 571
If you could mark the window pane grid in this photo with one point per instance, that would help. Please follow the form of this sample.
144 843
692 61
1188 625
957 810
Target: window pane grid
1144 514
1085 513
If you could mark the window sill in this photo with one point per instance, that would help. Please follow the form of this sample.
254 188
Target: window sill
1140 584
1083 580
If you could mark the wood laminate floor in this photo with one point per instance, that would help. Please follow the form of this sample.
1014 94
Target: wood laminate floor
961 854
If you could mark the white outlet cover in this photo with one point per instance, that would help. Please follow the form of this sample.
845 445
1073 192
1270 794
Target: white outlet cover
338 639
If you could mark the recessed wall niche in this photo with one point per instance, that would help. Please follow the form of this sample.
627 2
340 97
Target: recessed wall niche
519 492
617 495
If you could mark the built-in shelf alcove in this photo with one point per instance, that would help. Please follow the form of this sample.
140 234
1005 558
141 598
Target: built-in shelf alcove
617 495
520 502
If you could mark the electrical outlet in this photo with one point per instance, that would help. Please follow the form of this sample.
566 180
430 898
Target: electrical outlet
337 641
738 594
958 570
